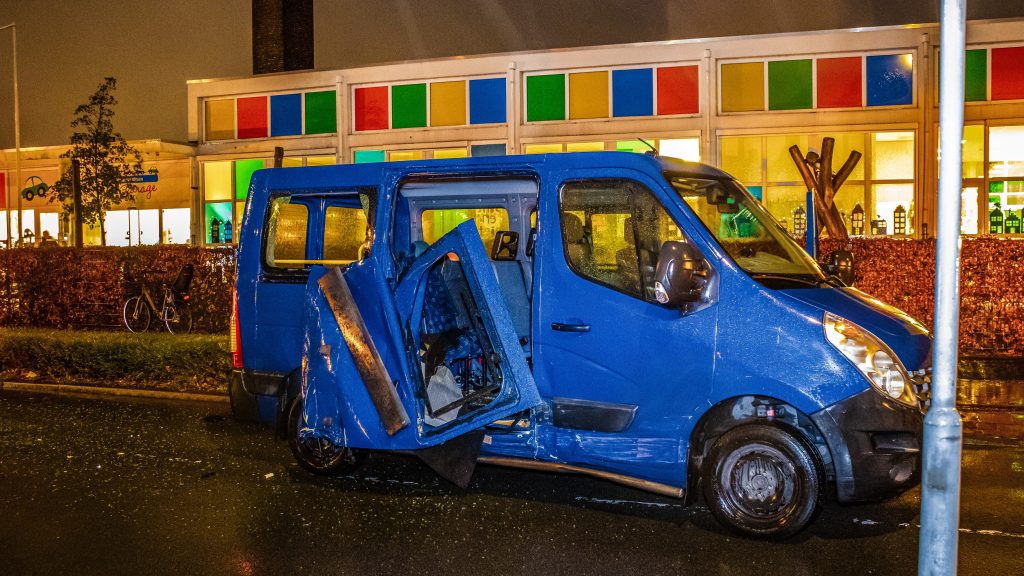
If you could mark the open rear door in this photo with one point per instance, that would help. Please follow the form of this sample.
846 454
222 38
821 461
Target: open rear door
416 367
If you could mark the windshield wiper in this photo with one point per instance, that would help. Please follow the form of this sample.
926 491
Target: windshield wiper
767 276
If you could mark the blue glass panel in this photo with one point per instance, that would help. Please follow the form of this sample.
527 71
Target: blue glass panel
487 101
890 80
633 92
286 115
756 192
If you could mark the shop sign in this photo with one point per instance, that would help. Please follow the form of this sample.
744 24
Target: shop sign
144 184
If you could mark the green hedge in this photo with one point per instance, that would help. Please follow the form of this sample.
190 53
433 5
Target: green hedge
187 363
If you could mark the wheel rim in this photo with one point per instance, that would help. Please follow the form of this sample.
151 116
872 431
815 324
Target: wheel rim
320 452
760 482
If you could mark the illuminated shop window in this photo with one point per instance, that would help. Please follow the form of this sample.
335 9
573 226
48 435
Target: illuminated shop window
489 221
18 232
177 226
1006 151
217 184
49 222
974 151
132 227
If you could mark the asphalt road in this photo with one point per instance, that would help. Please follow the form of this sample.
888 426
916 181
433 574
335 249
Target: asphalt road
92 486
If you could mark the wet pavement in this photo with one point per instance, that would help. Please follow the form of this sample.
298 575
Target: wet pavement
91 486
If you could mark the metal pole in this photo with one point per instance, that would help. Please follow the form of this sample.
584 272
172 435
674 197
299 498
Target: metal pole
17 139
940 492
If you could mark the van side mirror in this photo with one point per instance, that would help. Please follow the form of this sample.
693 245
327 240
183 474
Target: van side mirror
839 263
679 276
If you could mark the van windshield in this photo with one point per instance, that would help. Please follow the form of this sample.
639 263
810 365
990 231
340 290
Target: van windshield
747 232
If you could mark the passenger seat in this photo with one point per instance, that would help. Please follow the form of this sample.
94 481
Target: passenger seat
512 282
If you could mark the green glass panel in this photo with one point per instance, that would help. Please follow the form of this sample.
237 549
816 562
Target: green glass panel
409 106
975 76
365 156
217 214
545 97
321 113
243 175
631 146
789 85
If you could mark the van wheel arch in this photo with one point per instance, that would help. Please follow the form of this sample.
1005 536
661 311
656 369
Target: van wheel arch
750 409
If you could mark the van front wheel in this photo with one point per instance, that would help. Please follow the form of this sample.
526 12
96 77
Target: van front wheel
763 481
318 455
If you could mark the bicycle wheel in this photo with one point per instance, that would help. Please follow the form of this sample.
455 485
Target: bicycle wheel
178 318
136 314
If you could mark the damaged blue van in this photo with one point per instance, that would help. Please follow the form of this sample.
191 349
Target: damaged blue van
631 317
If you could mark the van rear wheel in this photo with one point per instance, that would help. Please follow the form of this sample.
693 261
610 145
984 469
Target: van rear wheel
318 455
763 481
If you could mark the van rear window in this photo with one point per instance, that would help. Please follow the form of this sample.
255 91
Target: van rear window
489 221
344 233
286 238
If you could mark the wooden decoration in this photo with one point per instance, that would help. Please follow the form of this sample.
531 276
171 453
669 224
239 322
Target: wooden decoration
816 170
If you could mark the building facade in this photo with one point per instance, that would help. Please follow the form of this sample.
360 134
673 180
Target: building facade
738 103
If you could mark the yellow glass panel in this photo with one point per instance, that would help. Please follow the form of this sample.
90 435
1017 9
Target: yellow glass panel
974 153
584 147
783 202
1006 151
321 161
846 142
400 155
489 221
892 155
217 183
237 225
743 87
448 103
588 95
542 148
220 119
344 233
291 162
682 148
781 167
742 157
451 153
887 198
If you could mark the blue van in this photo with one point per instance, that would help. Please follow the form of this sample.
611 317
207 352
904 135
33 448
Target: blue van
631 317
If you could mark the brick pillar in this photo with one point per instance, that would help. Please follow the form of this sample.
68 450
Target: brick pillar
282 35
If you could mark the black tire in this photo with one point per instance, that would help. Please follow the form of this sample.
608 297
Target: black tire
763 481
136 314
320 456
178 318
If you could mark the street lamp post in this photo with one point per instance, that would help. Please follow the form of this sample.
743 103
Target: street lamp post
17 137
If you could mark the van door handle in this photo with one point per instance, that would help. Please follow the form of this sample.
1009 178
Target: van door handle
558 326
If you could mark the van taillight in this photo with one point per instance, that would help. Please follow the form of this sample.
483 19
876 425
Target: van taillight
236 333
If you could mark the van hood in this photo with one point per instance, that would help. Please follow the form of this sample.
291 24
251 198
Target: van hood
907 337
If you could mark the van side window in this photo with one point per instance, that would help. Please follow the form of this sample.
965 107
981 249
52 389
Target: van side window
612 231
344 234
286 234
489 221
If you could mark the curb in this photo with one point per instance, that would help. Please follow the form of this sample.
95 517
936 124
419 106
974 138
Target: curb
106 391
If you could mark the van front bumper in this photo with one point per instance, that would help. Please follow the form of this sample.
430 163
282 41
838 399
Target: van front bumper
875 445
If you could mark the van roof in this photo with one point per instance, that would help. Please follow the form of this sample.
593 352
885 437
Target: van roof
315 179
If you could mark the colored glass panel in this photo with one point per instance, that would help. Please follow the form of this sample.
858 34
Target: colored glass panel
542 148
252 117
243 175
840 82
321 161
588 95
633 92
1006 151
321 112
487 101
409 106
743 87
892 156
371 108
451 153
789 85
584 147
487 150
220 119
367 156
1008 73
678 90
545 97
291 162
633 146
974 151
448 103
217 215
976 75
217 183
402 155
890 80
286 115
779 165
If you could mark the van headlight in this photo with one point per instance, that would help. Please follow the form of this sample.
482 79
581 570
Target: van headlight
876 361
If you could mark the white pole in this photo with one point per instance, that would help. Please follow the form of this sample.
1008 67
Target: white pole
17 139
940 491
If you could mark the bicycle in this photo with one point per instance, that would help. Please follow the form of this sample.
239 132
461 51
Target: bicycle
174 310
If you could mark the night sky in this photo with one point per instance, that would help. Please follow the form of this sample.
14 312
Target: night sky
65 48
